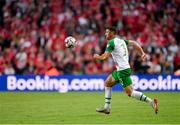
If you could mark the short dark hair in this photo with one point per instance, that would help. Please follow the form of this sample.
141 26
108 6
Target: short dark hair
112 29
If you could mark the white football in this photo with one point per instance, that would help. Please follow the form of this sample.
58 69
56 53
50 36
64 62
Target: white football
70 42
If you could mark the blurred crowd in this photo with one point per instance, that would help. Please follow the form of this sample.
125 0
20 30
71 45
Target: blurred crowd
32 34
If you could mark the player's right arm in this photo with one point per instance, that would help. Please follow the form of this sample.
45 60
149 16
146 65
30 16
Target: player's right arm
102 57
107 53
138 47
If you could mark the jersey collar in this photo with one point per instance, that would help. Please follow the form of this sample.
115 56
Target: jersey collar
113 38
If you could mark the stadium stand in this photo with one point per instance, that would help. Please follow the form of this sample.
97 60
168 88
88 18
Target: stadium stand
32 34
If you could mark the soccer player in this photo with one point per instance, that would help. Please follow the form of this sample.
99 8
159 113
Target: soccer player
118 49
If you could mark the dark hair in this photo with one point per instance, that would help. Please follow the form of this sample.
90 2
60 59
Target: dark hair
112 29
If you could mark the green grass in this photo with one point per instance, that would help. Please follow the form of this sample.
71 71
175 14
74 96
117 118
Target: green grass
79 108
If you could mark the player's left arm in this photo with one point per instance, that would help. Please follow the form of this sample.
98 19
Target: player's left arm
139 48
103 56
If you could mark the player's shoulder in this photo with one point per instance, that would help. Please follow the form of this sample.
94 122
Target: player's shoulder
122 41
118 39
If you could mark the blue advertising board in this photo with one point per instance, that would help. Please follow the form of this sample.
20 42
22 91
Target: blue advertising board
65 83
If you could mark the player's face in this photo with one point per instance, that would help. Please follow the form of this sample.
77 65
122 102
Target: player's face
108 34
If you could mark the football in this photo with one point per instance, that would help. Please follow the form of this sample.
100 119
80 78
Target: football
70 42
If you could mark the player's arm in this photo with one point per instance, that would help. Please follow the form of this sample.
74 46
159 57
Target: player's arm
107 53
139 48
102 57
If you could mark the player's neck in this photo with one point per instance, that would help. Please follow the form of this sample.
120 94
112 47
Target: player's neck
112 37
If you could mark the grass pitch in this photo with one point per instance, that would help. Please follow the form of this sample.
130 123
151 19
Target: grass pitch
79 108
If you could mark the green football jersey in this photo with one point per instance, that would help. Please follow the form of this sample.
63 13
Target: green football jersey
118 49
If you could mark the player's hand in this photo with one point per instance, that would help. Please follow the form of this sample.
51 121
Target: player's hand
95 56
143 56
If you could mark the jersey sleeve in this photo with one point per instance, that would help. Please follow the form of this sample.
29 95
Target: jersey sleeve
110 46
126 41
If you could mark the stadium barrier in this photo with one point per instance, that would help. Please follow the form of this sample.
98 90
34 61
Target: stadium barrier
65 83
